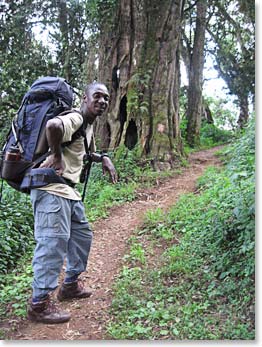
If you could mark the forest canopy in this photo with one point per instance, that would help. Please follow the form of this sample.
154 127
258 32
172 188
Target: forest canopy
137 49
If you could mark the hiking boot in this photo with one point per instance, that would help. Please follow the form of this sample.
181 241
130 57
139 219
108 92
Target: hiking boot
73 290
46 311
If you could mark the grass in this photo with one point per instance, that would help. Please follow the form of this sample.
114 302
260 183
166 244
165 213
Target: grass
176 295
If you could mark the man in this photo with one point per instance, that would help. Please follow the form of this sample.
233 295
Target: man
61 228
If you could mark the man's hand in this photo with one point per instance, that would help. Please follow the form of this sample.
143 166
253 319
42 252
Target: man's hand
107 166
55 162
54 135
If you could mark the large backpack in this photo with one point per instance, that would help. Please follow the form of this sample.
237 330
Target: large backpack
26 145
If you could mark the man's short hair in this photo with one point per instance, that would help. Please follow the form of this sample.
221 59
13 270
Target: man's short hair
90 86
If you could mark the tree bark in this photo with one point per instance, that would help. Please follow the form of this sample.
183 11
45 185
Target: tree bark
63 24
244 112
115 62
194 109
141 66
207 114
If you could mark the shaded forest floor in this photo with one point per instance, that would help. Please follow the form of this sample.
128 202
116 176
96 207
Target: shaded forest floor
110 244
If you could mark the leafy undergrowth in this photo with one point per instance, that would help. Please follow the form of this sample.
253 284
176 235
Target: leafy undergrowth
190 272
15 228
16 247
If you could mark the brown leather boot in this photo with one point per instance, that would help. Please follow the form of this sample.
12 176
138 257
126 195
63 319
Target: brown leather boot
73 290
46 312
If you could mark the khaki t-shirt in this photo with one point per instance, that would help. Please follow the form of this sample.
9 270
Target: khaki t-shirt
72 156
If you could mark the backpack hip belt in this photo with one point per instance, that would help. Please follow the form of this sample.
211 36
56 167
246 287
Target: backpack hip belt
37 178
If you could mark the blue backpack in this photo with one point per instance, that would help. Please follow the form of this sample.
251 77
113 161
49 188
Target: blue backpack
26 145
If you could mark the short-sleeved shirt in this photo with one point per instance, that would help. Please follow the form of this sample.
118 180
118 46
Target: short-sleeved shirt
72 156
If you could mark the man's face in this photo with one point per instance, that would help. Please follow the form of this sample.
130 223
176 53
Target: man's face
96 102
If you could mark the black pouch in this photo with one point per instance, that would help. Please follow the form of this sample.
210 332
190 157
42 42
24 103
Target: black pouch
13 170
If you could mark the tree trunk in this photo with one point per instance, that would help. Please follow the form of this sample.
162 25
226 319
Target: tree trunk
63 24
207 114
141 66
244 112
115 63
194 110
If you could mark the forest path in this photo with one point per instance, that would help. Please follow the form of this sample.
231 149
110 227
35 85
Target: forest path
89 316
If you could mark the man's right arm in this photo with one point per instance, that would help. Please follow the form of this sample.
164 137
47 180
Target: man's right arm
54 135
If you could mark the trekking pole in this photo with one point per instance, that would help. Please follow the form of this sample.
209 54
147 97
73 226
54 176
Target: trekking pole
85 174
1 190
2 181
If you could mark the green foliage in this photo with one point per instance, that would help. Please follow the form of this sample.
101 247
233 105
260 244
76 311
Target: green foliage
138 83
210 135
220 132
16 228
70 24
201 285
101 194
137 252
62 53
101 12
223 113
17 44
128 163
14 298
132 173
233 32
158 224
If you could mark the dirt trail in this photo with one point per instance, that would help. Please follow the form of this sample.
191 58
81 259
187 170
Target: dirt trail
109 246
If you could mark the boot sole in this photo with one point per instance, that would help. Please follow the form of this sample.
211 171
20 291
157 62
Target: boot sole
47 321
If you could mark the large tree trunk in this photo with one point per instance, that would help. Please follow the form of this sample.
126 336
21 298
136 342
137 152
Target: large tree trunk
194 110
115 64
141 68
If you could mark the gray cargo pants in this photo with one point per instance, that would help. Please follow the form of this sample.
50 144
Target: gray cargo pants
61 231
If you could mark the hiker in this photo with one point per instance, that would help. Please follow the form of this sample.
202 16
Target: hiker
61 228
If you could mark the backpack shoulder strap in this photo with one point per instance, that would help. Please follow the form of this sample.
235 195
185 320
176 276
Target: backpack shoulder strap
81 132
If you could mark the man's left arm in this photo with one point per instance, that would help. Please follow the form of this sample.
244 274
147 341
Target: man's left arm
107 165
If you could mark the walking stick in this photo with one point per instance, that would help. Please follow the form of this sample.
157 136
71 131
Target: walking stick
86 173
